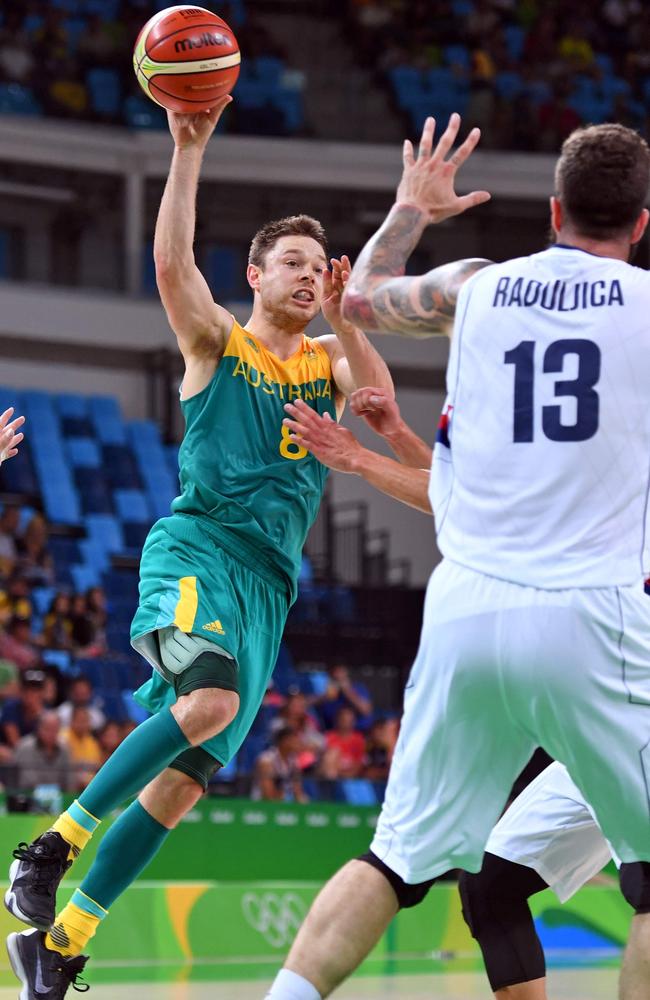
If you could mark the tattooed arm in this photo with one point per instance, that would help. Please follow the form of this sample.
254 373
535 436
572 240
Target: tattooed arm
378 295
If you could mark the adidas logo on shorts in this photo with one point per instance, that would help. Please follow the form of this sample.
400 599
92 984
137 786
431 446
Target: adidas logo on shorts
215 626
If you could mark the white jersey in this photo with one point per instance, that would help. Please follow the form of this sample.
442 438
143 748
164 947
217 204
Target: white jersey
541 470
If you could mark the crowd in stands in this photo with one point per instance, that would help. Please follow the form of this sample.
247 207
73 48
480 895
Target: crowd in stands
316 735
327 743
526 71
72 59
53 731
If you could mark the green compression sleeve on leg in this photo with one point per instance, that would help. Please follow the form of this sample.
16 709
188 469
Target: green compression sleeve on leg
145 752
126 849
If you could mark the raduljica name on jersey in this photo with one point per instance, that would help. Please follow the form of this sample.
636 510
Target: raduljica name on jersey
558 295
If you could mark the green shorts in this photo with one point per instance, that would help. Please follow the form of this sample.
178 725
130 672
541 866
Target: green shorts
187 580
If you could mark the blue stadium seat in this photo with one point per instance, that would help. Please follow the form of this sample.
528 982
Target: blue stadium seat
356 792
61 504
105 91
83 453
72 405
132 507
105 531
74 29
604 63
462 8
94 493
120 467
290 103
107 420
18 100
269 69
10 397
18 475
109 9
64 551
42 598
94 555
144 114
515 37
458 55
508 85
84 577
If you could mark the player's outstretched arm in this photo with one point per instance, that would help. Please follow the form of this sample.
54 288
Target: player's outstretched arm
379 296
199 323
381 412
10 434
355 362
338 449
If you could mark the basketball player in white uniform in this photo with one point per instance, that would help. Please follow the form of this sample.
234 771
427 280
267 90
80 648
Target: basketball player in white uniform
549 836
535 626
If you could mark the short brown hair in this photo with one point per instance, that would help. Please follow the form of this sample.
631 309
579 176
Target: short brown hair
602 178
294 225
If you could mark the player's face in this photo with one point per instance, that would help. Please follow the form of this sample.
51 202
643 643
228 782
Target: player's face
291 282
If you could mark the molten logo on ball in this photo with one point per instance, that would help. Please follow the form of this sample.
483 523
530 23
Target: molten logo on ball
186 59
185 44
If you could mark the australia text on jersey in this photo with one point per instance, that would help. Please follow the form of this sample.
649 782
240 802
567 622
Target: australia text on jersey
318 388
558 295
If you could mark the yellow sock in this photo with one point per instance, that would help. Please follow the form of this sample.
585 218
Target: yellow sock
75 926
76 826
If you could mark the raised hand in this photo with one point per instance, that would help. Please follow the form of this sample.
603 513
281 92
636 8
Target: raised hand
428 179
333 445
379 410
196 129
334 283
10 438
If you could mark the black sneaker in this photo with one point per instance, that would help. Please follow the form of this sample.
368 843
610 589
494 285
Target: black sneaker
34 878
44 974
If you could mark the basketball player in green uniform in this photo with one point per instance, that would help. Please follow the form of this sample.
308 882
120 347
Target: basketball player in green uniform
217 578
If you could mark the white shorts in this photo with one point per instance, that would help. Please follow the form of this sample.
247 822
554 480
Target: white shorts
502 669
551 829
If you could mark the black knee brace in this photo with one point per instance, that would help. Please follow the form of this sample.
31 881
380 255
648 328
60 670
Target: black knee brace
635 885
407 895
495 908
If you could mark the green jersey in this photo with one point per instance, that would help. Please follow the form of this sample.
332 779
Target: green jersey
253 488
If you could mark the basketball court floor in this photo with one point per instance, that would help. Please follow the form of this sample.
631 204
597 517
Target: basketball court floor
575 984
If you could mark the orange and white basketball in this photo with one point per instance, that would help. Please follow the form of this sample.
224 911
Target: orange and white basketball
186 58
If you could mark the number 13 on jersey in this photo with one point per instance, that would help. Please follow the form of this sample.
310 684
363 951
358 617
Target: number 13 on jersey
581 388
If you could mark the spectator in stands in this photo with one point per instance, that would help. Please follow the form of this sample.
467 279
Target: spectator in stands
557 119
19 645
97 616
57 627
19 596
343 692
40 758
34 561
380 747
346 747
109 738
276 772
83 748
9 681
88 632
9 525
97 45
80 695
295 716
20 715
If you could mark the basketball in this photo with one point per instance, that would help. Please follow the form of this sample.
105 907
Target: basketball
186 58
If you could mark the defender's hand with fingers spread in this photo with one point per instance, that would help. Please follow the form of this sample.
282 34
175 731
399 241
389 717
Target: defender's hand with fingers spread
428 180
195 130
378 409
334 446
334 283
10 436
